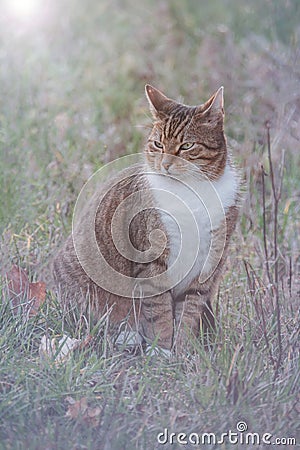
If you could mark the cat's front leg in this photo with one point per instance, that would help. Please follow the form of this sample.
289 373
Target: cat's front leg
194 317
157 320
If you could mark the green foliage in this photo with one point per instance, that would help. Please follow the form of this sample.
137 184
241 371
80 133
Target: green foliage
141 395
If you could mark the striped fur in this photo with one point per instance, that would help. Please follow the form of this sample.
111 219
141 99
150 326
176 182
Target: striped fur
185 143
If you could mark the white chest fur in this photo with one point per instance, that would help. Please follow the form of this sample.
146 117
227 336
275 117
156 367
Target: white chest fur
190 210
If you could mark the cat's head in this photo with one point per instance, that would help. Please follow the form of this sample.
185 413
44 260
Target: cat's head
186 134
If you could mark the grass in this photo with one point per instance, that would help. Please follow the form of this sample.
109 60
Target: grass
72 81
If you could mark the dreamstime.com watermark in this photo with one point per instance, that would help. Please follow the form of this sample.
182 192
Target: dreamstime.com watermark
239 436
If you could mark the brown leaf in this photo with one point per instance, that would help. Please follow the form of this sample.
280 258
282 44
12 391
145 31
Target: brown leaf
79 409
17 280
37 295
22 293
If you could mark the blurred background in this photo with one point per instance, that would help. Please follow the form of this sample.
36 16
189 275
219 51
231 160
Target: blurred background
72 78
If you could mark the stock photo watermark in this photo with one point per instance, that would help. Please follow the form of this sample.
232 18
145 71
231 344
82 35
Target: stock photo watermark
239 436
182 204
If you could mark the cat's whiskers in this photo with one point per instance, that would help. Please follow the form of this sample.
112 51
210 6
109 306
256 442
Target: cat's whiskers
144 126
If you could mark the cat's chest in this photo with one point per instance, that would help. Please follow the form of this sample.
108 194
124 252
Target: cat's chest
190 211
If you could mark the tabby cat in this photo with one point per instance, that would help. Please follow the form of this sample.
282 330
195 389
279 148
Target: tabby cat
162 228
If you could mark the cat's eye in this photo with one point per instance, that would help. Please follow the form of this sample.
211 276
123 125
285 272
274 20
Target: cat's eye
186 146
158 144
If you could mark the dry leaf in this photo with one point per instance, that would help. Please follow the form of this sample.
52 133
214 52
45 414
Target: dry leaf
79 409
47 348
58 351
17 280
66 346
37 295
23 294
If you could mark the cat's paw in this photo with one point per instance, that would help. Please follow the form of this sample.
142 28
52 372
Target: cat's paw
129 338
158 351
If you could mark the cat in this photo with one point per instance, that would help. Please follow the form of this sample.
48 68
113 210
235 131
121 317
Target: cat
162 228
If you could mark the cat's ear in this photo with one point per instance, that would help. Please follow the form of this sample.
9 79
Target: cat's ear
213 109
159 103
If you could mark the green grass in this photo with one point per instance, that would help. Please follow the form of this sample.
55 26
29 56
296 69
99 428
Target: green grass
72 82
